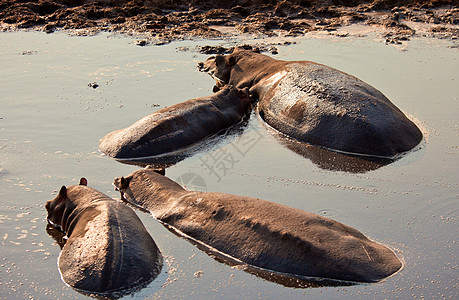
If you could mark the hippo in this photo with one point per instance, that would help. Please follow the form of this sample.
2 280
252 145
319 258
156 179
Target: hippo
107 250
178 127
260 233
317 104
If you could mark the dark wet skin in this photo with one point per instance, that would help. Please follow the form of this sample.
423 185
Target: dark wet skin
108 250
262 233
177 127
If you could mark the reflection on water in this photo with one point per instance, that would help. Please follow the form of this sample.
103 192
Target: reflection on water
156 162
116 294
331 160
56 234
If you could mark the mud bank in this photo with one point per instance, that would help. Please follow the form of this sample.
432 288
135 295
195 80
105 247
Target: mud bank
162 20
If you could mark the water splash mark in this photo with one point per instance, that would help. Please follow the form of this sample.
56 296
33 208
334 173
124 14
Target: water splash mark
220 161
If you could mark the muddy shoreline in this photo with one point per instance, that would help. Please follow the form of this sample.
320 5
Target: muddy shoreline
162 21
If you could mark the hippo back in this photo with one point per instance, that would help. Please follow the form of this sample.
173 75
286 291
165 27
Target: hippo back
280 238
175 128
322 106
261 233
109 251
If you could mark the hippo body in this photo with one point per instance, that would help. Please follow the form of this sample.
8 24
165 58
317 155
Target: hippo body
108 250
177 127
319 105
262 233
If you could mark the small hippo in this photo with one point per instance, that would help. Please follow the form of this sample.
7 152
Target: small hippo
316 104
178 127
108 250
261 233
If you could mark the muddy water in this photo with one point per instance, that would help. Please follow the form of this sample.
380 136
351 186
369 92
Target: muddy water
51 121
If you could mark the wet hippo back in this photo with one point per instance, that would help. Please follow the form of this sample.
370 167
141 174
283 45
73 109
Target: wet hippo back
262 233
282 239
108 249
177 127
320 105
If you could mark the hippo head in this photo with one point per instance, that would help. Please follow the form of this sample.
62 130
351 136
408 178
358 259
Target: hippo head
219 67
60 207
231 92
149 185
122 184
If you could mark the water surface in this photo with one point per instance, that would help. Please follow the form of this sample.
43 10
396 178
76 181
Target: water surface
51 122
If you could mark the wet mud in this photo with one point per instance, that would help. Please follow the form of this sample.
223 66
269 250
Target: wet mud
162 21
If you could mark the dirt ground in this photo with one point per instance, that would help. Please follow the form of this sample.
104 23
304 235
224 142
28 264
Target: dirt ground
162 21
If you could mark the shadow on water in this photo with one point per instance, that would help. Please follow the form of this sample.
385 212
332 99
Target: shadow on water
331 160
286 280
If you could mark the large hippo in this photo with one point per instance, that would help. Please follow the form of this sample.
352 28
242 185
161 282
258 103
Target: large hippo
317 104
261 233
177 127
108 250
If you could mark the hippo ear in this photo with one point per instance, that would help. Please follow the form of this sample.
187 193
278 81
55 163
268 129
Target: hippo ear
124 182
243 93
231 61
256 50
63 192
83 181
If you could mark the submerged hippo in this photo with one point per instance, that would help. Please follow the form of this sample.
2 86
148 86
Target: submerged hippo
177 127
108 250
262 233
317 104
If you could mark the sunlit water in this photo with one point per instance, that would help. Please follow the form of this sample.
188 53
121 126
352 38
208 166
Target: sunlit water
51 122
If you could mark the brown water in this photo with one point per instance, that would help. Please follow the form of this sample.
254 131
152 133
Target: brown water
51 122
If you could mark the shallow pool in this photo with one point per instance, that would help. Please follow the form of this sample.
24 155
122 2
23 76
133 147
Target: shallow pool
52 118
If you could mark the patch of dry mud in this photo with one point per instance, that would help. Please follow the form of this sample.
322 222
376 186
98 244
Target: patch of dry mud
162 21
